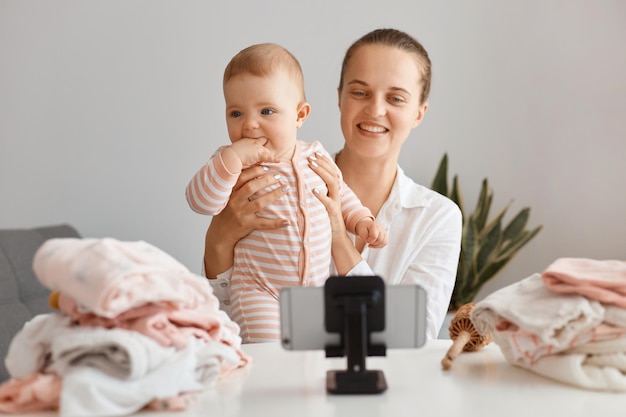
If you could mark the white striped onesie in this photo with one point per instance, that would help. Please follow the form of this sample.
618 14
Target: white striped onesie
267 260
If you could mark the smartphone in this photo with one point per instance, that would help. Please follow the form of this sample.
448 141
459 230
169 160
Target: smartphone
302 318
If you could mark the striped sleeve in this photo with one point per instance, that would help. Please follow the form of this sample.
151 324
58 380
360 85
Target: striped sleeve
352 208
210 188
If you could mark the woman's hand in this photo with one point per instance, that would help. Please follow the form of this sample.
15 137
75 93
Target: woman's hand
239 218
345 255
332 201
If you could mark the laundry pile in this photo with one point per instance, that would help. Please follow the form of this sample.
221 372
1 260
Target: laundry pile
567 323
135 329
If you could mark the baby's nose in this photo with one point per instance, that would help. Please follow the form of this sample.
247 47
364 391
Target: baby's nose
250 123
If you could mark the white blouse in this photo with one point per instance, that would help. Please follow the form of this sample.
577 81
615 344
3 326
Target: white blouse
424 241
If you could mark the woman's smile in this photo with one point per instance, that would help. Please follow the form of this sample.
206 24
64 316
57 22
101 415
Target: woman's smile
372 128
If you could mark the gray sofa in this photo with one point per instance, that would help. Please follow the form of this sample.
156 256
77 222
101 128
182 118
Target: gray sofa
21 295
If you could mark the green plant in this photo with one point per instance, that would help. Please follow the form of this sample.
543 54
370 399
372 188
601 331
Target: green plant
486 244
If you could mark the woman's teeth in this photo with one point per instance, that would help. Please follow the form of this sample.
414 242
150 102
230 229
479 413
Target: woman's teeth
372 129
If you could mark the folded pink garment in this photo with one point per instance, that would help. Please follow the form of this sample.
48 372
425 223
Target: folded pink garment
107 276
526 348
167 324
600 280
42 392
37 393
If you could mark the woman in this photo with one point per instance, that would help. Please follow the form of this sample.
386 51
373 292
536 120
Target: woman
383 93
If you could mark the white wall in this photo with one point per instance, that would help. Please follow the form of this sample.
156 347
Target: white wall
108 107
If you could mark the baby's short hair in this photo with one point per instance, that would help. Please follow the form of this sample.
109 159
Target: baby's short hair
263 59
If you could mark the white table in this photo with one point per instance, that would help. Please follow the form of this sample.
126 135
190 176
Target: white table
293 383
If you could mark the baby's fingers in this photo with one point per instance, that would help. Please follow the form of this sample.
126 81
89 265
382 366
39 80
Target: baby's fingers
377 238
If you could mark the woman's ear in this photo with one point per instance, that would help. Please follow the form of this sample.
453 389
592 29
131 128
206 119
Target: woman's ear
421 111
304 110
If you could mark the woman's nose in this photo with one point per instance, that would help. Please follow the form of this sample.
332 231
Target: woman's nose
376 107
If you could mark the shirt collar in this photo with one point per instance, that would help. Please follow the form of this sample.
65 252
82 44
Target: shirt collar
407 192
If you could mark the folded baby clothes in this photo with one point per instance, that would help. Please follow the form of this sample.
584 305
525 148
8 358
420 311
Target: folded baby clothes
525 348
107 276
565 335
88 392
29 350
601 368
120 353
38 392
601 280
554 318
135 329
168 324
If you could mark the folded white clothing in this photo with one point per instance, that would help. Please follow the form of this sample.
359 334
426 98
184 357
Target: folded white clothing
615 315
121 353
527 348
216 359
29 350
603 347
555 318
88 392
598 372
593 371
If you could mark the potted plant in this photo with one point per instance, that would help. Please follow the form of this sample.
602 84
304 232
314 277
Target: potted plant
487 244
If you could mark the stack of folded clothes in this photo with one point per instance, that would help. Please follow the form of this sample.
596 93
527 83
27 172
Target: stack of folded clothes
135 329
567 323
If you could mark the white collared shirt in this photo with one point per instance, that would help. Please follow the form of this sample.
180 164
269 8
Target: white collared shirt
424 241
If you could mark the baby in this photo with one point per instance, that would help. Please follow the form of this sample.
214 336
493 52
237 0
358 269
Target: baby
265 105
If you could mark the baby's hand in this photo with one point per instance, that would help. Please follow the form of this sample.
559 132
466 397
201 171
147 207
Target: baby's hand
372 233
252 151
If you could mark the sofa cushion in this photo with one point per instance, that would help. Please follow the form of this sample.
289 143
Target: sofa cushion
21 295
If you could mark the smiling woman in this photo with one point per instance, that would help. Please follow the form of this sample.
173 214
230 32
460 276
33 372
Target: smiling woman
379 103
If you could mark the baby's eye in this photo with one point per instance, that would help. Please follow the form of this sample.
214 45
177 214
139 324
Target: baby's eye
236 113
267 112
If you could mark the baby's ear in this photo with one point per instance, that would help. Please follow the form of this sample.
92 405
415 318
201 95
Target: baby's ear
304 110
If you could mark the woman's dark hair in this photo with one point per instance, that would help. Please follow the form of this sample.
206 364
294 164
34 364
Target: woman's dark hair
396 39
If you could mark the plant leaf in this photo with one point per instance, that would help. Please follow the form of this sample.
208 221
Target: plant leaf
440 181
455 195
489 244
517 224
496 264
486 246
516 244
495 221
482 206
489 272
469 245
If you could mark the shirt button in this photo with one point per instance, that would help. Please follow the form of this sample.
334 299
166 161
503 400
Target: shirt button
227 302
224 284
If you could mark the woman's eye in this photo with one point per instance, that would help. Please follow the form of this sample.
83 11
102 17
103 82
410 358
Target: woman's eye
397 100
236 113
358 93
267 112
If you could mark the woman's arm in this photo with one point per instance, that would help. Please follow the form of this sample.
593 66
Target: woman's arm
239 218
